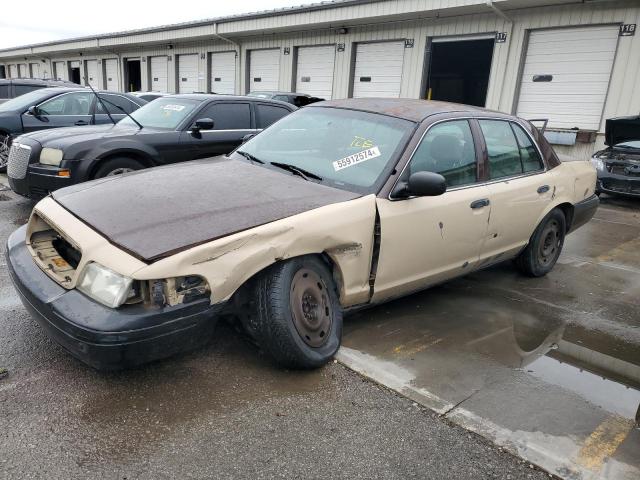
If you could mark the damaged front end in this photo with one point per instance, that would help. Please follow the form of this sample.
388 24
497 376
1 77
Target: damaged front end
619 169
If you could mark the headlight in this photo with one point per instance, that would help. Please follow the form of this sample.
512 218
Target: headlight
51 156
104 285
599 164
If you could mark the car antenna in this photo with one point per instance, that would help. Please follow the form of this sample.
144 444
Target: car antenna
101 103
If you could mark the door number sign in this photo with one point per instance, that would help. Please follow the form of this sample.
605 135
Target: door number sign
627 29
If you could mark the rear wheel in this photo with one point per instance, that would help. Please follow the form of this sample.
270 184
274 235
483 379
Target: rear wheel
544 246
297 312
117 166
5 145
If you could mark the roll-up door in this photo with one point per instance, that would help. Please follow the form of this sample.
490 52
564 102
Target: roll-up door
92 73
22 70
378 70
159 74
566 75
59 72
264 70
111 74
223 72
13 71
314 71
35 70
188 73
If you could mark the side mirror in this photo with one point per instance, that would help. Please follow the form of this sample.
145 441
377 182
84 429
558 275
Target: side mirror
203 124
33 110
248 137
422 184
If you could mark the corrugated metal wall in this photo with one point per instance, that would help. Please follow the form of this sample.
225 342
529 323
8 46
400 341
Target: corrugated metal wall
388 21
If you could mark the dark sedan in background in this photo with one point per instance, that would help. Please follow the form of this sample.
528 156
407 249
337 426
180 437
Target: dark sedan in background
59 107
167 130
12 88
297 99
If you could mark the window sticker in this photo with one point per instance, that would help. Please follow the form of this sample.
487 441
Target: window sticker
361 142
174 108
356 158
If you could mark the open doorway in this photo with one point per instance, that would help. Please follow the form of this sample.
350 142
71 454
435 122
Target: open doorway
458 71
74 75
3 71
133 76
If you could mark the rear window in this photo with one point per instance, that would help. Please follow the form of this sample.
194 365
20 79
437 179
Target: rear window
268 114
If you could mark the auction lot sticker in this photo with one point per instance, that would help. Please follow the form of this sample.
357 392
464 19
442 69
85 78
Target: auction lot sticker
356 158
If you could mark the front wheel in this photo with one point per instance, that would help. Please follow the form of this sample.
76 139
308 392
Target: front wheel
117 166
545 245
297 312
5 146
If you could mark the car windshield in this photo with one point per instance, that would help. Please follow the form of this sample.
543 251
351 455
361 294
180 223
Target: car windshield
164 113
347 149
24 101
630 145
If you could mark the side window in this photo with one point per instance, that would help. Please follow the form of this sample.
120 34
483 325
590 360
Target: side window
4 91
502 147
228 116
69 104
282 98
268 114
111 100
531 160
22 89
447 149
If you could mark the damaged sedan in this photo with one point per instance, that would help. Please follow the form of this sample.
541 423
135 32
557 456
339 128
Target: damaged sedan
340 205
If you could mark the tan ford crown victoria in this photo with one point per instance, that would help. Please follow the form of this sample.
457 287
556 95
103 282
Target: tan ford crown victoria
337 206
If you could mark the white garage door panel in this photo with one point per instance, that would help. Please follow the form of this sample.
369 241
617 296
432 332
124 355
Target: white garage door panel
188 73
580 60
22 71
264 69
111 74
382 64
92 73
223 72
35 70
314 71
13 71
159 74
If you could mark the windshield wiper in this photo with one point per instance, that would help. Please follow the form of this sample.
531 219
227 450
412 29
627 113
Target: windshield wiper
297 170
248 156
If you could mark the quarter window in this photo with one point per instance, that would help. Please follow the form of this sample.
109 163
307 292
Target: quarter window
228 116
69 104
447 149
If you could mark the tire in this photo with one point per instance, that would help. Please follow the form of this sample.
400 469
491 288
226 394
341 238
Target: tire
117 166
298 318
5 145
545 245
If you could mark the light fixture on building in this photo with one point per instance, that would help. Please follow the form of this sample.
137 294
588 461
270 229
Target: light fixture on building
169 47
342 31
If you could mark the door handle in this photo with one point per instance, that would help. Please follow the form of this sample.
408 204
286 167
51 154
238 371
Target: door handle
81 122
543 189
483 202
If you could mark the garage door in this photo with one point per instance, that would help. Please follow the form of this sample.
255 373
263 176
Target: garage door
92 73
378 71
566 75
59 71
35 70
264 70
22 70
159 74
314 71
13 71
223 73
111 74
187 73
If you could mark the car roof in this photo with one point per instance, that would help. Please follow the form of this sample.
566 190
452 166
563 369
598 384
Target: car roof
216 96
411 109
277 92
37 81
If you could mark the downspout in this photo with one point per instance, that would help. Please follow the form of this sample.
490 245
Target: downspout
497 11
238 51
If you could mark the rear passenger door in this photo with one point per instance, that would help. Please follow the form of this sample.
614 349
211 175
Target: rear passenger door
267 114
519 188
66 110
231 122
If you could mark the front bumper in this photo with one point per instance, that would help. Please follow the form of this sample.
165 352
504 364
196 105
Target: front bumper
102 337
616 184
39 182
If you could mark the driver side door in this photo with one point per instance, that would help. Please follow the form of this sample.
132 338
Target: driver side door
66 110
426 240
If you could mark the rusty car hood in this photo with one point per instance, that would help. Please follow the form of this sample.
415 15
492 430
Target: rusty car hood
158 212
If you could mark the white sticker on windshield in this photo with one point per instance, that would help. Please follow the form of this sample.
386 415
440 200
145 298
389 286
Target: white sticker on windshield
356 158
175 108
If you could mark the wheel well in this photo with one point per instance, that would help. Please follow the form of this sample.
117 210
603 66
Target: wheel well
567 209
143 159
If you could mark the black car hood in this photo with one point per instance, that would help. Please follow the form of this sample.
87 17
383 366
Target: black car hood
60 137
622 129
158 212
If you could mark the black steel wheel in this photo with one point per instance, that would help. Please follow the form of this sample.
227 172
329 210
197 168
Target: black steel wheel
117 166
298 318
545 245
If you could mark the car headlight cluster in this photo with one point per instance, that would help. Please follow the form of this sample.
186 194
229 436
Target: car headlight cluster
598 163
113 290
51 156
